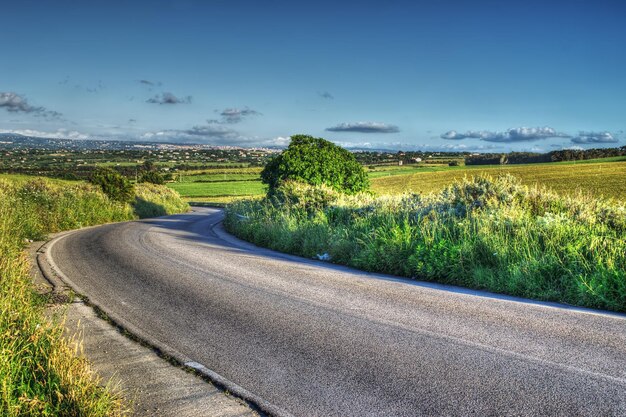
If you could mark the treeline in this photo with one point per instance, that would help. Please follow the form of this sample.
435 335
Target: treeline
554 156
408 157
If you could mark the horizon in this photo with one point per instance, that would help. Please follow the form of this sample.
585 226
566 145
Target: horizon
433 77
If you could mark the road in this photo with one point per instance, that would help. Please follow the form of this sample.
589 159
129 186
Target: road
314 339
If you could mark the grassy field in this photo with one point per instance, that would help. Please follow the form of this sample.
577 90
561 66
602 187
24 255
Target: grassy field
218 188
607 179
40 374
220 185
604 177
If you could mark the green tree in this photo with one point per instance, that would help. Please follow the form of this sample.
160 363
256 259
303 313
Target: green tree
148 165
316 161
152 177
113 184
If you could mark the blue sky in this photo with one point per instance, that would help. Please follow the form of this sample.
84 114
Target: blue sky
458 75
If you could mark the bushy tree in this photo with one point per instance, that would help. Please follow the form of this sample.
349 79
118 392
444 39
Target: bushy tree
316 161
152 177
113 184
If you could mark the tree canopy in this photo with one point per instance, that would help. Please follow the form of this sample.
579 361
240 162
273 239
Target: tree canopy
316 161
113 184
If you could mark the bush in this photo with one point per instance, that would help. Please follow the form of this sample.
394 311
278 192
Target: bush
297 195
113 184
152 200
152 177
316 161
484 233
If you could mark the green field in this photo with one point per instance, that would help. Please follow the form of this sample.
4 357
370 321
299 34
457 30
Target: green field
601 177
218 188
607 179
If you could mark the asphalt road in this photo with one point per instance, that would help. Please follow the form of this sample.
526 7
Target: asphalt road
314 339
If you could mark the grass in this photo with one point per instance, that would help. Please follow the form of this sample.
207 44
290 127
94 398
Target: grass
603 179
485 233
219 186
218 189
18 179
40 372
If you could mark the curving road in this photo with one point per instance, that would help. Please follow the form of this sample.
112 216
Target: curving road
308 338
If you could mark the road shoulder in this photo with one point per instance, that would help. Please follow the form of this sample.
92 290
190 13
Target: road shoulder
153 386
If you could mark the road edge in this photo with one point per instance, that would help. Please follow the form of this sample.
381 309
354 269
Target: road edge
219 229
60 282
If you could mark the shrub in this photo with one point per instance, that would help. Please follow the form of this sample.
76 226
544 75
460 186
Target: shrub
153 200
152 177
113 184
485 233
298 195
316 161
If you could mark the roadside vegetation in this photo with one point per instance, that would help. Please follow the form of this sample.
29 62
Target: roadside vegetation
485 233
40 374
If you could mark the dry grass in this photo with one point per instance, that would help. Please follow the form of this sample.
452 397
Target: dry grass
602 179
40 371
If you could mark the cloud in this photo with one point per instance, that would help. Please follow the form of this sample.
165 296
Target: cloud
594 137
214 134
282 141
212 131
150 83
217 134
234 115
15 103
454 135
168 98
326 95
518 134
364 127
59 134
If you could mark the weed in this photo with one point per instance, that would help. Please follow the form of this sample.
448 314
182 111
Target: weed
484 233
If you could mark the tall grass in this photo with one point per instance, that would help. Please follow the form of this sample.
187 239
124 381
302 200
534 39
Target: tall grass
483 233
40 373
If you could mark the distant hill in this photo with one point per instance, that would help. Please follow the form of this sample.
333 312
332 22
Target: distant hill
17 141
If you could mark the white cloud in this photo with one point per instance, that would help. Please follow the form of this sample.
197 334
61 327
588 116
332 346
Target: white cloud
595 137
58 134
518 134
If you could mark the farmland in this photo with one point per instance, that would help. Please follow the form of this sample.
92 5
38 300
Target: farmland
601 177
605 179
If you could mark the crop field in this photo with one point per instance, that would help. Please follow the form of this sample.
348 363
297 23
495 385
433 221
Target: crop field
607 179
219 186
220 175
217 189
600 177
